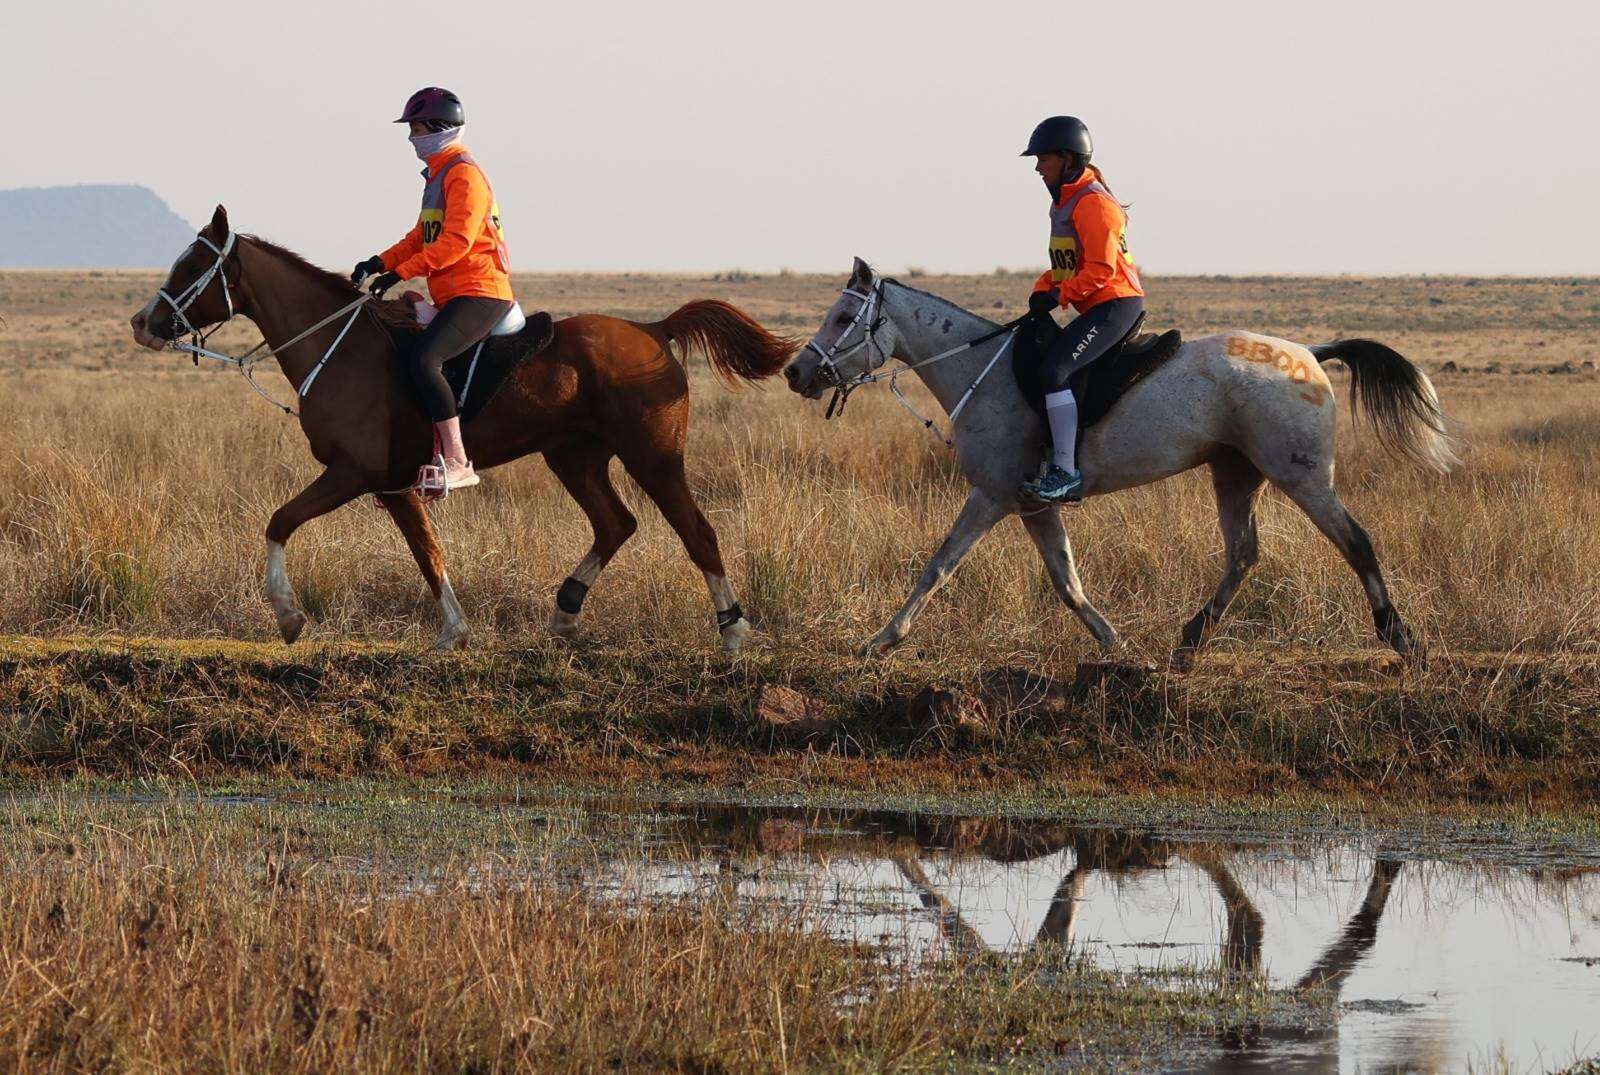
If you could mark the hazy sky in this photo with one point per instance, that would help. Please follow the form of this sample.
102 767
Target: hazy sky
1346 136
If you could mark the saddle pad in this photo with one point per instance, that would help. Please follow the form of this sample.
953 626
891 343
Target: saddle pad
500 355
1099 386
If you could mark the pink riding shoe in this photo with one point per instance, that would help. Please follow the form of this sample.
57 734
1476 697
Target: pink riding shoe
450 469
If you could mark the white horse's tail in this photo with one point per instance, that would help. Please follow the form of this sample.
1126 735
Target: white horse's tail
1399 401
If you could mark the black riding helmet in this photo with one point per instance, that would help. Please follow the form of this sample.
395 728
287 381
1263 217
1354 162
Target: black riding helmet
1061 134
439 109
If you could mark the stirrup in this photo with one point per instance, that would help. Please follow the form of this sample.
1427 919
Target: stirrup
431 481
1071 492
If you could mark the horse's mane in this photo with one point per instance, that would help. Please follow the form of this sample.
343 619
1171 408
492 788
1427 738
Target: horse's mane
392 315
942 301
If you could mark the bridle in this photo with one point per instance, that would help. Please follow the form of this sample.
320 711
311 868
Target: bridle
872 304
244 363
871 300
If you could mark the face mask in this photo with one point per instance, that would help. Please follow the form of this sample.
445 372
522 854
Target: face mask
427 145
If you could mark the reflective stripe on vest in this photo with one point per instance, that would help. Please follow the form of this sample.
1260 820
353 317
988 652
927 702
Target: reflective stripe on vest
1064 244
431 220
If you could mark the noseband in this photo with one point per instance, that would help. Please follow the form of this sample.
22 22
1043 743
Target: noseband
189 295
871 303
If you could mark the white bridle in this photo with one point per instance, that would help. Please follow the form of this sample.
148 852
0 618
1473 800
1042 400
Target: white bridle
842 386
245 362
186 298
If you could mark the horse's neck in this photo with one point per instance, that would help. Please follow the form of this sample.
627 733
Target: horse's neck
928 326
283 302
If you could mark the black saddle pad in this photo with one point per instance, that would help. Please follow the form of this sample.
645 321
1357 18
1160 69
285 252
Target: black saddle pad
501 355
1099 386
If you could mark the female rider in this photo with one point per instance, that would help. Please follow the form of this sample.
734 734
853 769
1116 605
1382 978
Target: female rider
458 246
1090 270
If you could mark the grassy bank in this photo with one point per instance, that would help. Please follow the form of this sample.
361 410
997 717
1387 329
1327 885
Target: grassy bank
1467 729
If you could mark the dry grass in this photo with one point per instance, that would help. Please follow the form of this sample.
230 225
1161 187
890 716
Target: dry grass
138 488
181 943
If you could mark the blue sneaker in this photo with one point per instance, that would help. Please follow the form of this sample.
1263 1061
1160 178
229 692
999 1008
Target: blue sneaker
1058 486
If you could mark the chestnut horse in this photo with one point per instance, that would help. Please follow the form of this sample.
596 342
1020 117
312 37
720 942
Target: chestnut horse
604 387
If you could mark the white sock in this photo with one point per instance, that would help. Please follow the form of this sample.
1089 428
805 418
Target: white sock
1062 409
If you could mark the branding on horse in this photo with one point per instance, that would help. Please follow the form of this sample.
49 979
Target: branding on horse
1295 367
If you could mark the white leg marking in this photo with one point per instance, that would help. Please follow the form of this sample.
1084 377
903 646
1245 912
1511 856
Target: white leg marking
588 569
453 632
737 633
291 621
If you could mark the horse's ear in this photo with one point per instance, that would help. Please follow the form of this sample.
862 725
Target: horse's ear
861 275
219 223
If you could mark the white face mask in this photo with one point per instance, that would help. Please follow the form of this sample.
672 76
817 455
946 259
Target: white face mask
426 145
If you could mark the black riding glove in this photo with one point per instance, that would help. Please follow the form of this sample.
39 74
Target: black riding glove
366 268
1041 303
383 283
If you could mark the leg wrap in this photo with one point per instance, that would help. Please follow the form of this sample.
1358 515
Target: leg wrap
569 598
729 616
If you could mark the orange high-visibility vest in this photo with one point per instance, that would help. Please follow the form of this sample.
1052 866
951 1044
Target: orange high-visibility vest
457 243
1089 259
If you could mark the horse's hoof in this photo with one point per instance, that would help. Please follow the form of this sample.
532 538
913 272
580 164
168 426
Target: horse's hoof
1415 659
564 624
736 634
877 647
451 641
290 625
1181 661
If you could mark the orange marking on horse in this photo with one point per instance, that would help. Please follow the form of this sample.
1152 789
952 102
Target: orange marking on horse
1264 354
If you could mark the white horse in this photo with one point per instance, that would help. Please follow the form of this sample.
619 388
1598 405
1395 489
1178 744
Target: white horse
1253 407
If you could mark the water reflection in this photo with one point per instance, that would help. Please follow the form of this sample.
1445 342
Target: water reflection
1414 964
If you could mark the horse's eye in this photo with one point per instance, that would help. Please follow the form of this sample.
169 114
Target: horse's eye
841 320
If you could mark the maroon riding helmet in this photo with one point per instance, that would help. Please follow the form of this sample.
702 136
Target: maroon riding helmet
437 108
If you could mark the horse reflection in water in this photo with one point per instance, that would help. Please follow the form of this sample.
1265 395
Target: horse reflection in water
905 840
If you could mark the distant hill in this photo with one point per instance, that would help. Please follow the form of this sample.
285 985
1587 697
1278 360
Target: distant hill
103 225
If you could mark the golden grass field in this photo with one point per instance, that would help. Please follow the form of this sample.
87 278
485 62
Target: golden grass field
137 488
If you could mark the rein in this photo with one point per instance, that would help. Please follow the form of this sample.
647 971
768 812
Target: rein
245 363
842 386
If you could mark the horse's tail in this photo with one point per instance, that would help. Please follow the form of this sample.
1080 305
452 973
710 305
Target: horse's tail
735 343
1399 400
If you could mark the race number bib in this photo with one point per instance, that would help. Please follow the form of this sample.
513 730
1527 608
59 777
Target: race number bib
1063 257
432 224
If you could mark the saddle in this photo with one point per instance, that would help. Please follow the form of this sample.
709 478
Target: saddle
477 375
1102 383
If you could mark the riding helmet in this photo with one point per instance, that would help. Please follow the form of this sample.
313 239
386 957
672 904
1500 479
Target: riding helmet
1061 134
437 108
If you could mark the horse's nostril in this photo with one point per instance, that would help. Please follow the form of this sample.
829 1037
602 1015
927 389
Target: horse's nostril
790 373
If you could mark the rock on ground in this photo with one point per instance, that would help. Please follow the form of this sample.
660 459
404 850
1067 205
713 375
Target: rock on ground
792 714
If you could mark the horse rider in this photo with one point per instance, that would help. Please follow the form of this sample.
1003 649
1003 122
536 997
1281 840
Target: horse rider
1090 271
458 246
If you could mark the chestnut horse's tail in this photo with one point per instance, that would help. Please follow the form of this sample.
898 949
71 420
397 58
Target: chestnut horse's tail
733 342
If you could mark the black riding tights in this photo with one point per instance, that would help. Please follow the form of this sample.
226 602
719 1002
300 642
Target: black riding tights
458 325
1087 337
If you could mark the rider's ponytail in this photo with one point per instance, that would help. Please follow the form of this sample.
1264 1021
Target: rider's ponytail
1100 177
